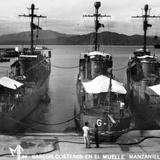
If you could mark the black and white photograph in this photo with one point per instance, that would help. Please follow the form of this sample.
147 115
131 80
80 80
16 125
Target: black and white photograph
79 80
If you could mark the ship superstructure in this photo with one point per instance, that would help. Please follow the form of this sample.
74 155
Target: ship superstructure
101 99
27 83
143 82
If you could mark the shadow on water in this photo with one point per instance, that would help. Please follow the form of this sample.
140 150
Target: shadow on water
41 120
29 123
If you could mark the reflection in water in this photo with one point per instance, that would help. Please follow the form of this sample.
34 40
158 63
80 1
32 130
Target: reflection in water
61 92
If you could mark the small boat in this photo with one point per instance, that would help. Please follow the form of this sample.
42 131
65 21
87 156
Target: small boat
143 83
2 59
157 46
11 52
27 84
101 98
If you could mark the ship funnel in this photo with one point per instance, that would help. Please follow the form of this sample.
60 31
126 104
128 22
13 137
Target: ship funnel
97 4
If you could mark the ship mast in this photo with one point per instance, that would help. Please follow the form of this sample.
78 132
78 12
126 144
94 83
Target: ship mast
145 24
32 15
97 15
109 103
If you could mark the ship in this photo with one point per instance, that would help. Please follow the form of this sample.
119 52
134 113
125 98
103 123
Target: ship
2 59
143 82
157 44
26 84
101 98
11 52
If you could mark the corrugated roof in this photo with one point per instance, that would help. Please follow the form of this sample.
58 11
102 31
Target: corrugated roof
10 83
155 88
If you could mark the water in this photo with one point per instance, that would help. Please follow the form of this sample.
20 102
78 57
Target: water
62 86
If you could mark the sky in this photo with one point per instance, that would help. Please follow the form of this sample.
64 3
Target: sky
66 16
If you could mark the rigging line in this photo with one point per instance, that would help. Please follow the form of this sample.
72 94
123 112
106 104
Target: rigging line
72 67
101 43
33 128
88 32
109 35
57 123
62 67
25 124
34 66
102 38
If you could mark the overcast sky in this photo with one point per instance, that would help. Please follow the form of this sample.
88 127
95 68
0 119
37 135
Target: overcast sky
65 16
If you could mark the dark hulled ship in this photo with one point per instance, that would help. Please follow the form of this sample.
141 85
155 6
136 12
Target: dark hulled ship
101 98
157 44
27 83
143 83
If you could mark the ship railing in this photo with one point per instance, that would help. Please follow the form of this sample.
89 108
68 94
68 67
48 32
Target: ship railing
2 106
30 84
38 79
6 107
153 99
7 101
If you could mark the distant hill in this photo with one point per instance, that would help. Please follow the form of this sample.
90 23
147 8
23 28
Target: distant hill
24 37
49 37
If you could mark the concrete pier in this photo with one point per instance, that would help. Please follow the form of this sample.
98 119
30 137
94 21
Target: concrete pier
70 146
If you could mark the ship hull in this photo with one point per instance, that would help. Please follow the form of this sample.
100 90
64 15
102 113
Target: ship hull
146 115
157 46
9 121
104 134
92 120
96 116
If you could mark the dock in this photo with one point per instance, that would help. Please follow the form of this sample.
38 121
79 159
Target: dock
70 146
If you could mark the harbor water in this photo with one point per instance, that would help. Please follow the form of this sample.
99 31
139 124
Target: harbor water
57 115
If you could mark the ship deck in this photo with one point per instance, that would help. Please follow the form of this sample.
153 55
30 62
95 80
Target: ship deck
60 146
